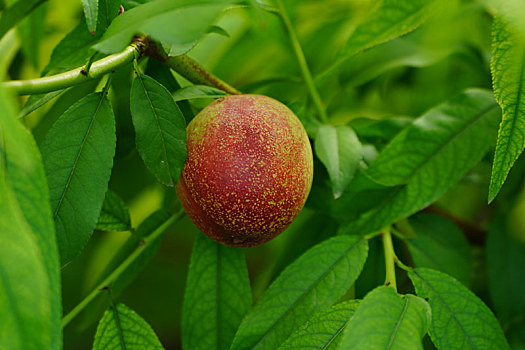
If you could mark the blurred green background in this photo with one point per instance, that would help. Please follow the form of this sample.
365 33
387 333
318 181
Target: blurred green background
377 92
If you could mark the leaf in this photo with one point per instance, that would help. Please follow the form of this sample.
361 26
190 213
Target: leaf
74 49
197 91
160 129
460 320
217 295
429 157
114 215
91 14
389 20
178 23
324 330
122 328
387 320
508 76
31 30
505 256
16 12
29 268
78 156
440 245
313 282
340 151
36 101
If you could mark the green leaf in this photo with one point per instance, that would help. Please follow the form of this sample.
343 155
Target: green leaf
217 295
197 91
390 19
324 330
91 14
36 101
31 31
174 23
313 282
440 245
29 266
430 156
114 215
160 129
122 328
340 151
508 76
16 12
460 320
387 320
505 256
78 156
75 49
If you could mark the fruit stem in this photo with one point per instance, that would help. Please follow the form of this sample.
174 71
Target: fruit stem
111 278
303 65
75 76
390 258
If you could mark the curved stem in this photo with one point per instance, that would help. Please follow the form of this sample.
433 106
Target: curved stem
390 258
75 76
111 278
307 75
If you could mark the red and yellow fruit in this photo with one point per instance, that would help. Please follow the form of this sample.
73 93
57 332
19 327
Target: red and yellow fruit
248 171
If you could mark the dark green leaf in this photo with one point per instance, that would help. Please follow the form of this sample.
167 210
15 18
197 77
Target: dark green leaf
505 261
160 129
313 282
174 23
324 330
340 151
387 320
389 19
31 30
430 156
460 320
29 267
91 14
508 75
197 91
440 245
122 328
14 13
78 157
36 101
217 295
114 215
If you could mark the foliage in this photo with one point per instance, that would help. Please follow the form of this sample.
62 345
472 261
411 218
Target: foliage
416 114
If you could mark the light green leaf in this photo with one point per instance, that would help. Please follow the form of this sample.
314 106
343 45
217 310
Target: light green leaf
217 295
324 330
313 282
387 320
440 245
14 13
91 14
78 156
505 256
340 151
160 129
29 266
174 23
197 91
430 156
508 76
390 19
460 320
114 215
122 328
36 101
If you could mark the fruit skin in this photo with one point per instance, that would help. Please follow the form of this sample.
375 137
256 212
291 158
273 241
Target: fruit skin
248 170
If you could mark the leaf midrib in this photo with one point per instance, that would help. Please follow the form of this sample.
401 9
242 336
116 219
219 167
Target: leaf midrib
398 324
306 291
